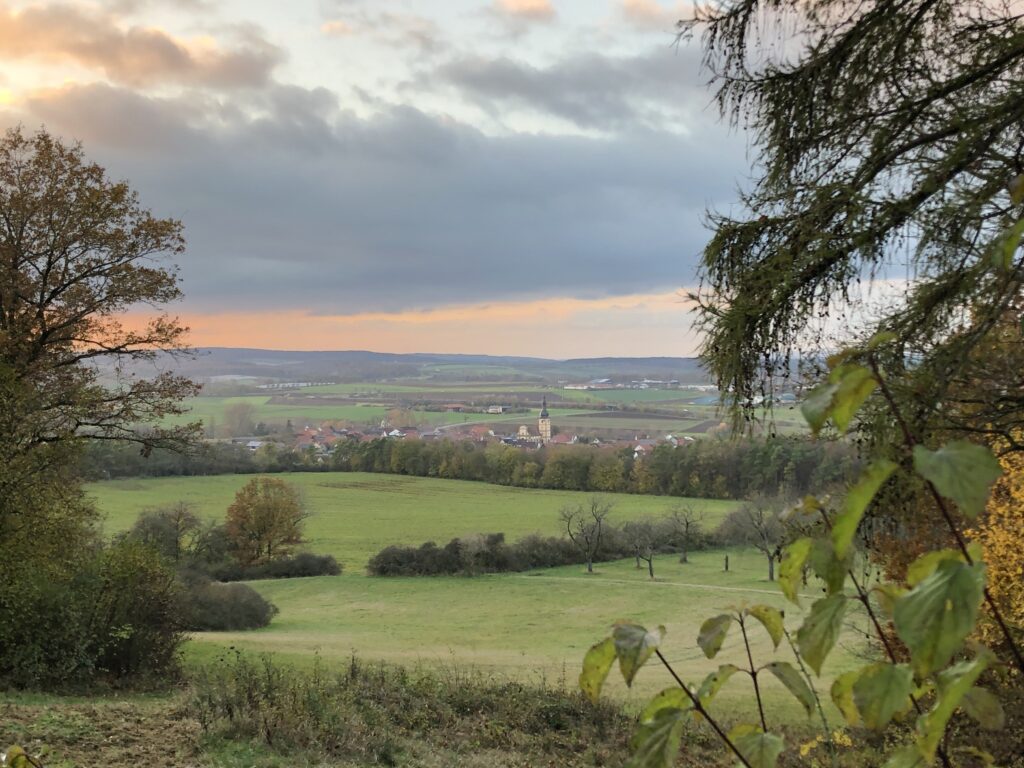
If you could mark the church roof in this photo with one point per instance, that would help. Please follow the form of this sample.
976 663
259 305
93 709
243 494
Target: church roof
544 409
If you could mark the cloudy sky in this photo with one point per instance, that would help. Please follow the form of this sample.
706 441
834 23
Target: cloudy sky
498 176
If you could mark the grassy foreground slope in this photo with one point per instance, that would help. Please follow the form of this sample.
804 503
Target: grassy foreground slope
534 626
354 515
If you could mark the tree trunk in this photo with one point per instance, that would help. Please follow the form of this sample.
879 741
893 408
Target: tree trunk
683 557
590 565
771 568
650 567
637 562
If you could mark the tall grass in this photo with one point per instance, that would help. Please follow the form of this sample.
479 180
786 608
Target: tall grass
371 713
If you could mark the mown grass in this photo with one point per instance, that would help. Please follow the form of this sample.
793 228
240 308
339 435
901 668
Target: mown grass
354 515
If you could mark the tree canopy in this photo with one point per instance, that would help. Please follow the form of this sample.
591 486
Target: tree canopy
78 252
889 145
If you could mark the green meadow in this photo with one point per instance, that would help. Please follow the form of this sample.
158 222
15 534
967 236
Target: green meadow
354 515
530 625
536 625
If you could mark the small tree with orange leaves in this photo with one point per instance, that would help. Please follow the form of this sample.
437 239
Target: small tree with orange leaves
265 520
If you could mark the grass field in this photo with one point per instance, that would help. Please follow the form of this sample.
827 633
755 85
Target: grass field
531 625
534 625
354 515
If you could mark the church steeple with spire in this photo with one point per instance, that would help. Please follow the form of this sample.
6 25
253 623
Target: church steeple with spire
544 422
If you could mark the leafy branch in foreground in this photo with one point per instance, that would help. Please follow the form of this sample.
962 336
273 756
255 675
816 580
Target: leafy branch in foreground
933 612
16 757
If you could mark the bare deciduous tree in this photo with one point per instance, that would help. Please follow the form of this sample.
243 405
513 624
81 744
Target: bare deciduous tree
643 536
584 524
684 523
757 524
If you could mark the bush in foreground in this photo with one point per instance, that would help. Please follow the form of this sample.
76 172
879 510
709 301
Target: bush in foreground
115 615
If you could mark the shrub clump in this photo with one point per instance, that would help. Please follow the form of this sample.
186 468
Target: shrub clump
214 607
490 553
117 615
302 565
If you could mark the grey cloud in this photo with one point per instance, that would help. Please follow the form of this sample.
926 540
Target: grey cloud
660 89
132 55
309 206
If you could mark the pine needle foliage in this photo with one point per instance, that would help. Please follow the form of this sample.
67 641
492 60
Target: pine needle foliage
889 143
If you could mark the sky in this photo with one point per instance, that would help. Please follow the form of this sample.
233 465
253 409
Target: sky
524 177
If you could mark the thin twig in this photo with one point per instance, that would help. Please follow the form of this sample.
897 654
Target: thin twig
703 712
753 674
826 728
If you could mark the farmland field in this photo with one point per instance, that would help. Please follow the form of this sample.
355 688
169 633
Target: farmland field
212 410
529 625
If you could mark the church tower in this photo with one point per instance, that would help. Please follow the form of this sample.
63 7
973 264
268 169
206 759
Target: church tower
544 422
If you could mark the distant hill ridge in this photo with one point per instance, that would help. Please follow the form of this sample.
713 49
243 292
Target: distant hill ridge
367 365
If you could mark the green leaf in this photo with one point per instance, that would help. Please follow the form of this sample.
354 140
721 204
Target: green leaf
788 675
848 386
596 665
670 698
907 757
845 526
712 634
1016 188
829 568
634 645
856 383
961 471
791 570
771 619
842 695
925 565
935 616
713 683
1006 246
879 339
887 595
983 757
817 406
883 691
953 685
656 744
820 630
761 750
985 708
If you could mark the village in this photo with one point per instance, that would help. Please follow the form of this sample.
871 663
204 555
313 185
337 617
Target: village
321 439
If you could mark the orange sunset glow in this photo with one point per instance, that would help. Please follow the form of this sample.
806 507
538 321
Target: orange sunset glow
542 327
